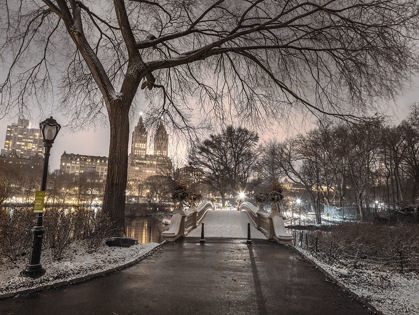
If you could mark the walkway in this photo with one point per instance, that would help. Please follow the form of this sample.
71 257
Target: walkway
220 277
227 224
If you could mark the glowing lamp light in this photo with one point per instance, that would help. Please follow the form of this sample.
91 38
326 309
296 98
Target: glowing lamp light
242 195
298 201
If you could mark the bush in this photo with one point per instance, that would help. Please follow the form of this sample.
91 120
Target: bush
59 233
375 239
372 246
16 231
100 228
64 227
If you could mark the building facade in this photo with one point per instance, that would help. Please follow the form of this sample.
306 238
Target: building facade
77 164
142 165
139 139
14 160
26 142
161 141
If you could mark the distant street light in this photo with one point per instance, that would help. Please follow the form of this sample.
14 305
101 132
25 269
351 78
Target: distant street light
49 128
241 197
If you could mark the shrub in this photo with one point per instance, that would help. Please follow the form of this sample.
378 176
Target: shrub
16 231
59 234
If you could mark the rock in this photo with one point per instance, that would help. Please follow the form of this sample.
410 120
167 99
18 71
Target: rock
121 241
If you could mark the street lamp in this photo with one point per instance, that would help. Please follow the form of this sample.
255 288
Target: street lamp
49 128
240 198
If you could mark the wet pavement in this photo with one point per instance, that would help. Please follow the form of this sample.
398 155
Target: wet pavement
220 277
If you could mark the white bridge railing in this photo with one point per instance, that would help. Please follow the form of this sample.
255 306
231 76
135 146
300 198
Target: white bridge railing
271 224
183 222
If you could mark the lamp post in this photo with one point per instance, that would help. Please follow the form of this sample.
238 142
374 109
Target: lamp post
49 128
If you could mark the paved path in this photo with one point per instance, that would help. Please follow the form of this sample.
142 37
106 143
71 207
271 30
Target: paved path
227 224
220 277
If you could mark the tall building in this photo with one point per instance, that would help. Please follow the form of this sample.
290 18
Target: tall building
139 139
26 142
77 164
142 165
161 141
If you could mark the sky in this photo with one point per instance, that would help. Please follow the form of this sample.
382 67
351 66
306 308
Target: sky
95 141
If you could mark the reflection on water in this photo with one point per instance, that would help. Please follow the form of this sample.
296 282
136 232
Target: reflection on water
145 230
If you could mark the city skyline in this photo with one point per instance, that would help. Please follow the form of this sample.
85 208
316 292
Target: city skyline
95 140
87 143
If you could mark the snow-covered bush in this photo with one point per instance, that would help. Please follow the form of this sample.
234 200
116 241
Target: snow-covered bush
59 227
62 227
100 228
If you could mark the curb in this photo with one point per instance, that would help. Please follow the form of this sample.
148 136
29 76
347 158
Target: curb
81 279
358 298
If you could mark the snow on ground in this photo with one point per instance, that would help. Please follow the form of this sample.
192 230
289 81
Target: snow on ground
76 263
228 224
391 293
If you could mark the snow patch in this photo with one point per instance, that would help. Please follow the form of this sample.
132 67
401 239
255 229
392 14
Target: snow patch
388 292
77 263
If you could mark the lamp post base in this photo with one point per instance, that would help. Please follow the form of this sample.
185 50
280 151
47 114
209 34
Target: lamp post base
33 271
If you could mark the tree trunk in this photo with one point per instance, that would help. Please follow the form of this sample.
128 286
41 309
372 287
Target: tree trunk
398 185
316 208
116 179
223 200
360 208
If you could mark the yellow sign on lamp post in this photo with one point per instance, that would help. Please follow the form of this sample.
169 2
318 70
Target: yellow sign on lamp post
39 201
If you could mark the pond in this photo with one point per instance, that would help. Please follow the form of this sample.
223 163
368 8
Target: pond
145 229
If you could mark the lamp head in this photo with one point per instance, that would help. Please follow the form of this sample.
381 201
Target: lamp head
49 128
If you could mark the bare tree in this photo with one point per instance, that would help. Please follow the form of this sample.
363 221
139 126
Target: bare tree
268 167
409 130
212 156
361 150
241 148
227 159
246 59
300 168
